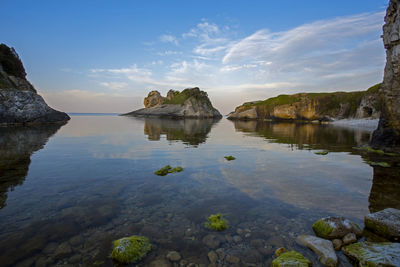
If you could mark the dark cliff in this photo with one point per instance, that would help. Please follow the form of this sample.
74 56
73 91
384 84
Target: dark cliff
19 101
387 136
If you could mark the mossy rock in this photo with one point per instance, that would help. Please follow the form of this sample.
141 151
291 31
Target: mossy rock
321 152
374 254
168 169
229 158
216 222
335 227
380 164
130 249
291 258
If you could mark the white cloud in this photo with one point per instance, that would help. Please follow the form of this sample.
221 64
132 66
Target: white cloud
167 38
117 86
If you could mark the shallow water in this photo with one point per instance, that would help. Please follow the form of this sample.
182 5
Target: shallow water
67 191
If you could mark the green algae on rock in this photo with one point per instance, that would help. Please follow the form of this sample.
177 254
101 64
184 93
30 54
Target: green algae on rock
168 169
374 254
335 227
321 152
216 222
229 158
130 249
291 258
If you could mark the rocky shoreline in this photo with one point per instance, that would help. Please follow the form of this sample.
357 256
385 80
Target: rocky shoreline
190 103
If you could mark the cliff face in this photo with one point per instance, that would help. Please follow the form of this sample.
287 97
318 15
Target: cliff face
190 103
313 106
387 136
19 101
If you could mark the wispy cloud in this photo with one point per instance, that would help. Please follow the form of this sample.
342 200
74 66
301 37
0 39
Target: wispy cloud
168 38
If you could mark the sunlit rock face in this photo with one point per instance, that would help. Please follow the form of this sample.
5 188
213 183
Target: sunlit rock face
153 99
387 135
19 101
17 144
313 106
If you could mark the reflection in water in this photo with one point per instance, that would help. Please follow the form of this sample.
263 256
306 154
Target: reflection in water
306 135
190 131
16 147
94 183
385 191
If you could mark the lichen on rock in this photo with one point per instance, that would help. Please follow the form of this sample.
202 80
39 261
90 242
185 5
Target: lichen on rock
130 249
168 169
335 227
374 254
385 223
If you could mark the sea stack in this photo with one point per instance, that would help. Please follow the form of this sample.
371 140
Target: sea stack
190 103
19 101
387 136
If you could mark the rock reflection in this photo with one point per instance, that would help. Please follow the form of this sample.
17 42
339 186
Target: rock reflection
16 147
306 135
385 190
190 131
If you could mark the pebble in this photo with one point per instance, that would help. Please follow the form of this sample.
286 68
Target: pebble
337 244
237 239
212 256
349 238
173 256
211 241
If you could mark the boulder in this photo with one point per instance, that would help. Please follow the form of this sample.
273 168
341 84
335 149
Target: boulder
374 254
322 247
19 101
335 227
385 223
291 258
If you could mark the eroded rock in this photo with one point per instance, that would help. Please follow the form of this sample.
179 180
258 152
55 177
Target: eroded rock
374 254
385 223
322 247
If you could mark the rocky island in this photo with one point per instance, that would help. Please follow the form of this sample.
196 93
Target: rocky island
387 136
313 106
190 103
19 101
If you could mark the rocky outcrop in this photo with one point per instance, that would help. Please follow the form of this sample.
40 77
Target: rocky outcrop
190 103
387 136
313 106
19 101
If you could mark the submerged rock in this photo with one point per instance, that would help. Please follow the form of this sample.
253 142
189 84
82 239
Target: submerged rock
130 249
322 247
385 223
19 101
190 103
374 254
335 227
291 258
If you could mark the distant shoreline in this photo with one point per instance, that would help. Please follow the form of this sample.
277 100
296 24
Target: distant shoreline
92 114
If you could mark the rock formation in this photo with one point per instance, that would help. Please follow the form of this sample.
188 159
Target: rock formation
190 103
313 106
19 101
387 136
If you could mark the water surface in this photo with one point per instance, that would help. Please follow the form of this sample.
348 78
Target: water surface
67 191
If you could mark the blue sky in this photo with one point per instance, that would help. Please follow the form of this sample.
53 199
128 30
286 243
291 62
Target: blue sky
104 56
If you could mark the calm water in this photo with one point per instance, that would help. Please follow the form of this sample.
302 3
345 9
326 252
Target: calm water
67 191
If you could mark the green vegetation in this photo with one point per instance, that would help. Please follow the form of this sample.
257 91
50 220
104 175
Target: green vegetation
216 222
98 263
229 158
322 229
381 164
291 258
322 152
377 151
180 97
12 65
130 249
168 169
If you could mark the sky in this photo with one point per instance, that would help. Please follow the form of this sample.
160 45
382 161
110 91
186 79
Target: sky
105 56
